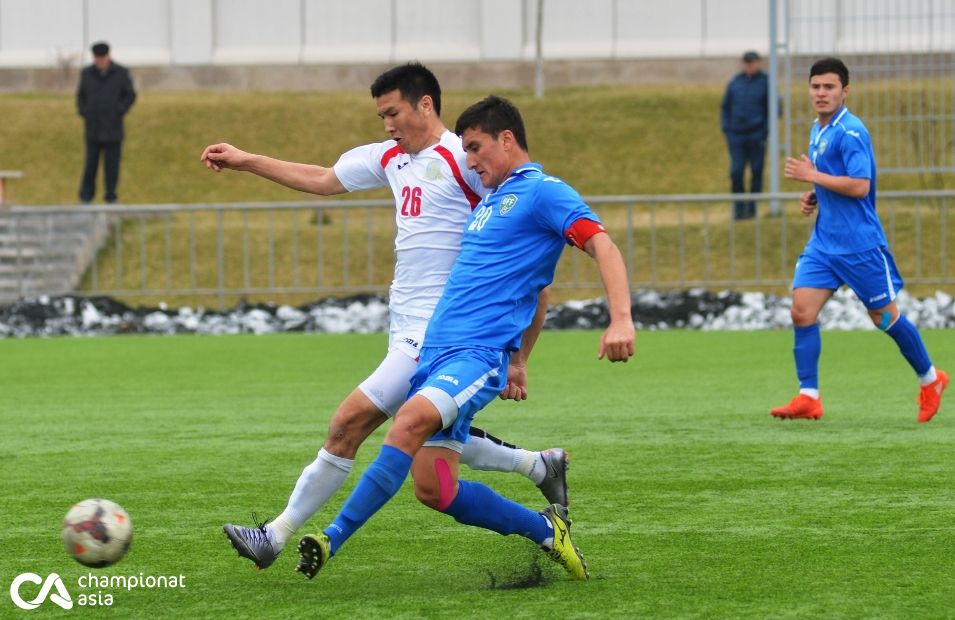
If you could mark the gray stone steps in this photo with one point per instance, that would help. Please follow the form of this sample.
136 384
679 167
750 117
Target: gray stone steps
47 254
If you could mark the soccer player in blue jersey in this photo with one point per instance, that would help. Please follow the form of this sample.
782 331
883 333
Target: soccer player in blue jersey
473 346
847 246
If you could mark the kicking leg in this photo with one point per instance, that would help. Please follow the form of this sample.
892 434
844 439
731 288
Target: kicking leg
363 411
417 420
546 469
355 419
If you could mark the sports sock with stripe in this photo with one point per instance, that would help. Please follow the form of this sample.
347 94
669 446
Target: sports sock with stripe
910 344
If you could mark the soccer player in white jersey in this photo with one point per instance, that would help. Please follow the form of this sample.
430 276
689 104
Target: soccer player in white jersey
424 165
847 246
509 254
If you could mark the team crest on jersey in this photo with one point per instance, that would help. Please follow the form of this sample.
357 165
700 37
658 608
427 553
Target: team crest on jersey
433 171
822 146
507 203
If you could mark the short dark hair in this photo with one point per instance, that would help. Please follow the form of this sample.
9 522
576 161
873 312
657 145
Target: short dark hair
492 115
100 49
831 65
413 80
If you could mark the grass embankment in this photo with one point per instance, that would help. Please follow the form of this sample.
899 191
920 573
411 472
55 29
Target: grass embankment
604 141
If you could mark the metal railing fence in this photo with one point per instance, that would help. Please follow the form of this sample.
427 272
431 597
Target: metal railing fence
293 252
901 59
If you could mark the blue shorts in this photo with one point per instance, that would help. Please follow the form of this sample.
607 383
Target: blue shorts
471 377
872 275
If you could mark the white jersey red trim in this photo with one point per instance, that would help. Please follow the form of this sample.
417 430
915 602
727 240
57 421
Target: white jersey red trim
434 194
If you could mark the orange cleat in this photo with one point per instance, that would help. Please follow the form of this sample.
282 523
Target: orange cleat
930 396
800 407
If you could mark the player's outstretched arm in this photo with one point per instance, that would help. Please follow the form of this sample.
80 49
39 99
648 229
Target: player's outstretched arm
617 341
516 388
303 177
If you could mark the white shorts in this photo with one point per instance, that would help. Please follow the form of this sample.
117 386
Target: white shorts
388 386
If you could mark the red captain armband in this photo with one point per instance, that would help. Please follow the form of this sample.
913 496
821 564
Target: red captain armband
581 230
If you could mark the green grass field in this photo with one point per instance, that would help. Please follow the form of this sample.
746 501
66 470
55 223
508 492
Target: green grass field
688 499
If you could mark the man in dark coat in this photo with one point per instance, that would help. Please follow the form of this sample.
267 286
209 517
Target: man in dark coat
745 122
103 98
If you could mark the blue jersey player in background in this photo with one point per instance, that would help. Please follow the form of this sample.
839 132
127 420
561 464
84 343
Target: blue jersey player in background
476 345
847 246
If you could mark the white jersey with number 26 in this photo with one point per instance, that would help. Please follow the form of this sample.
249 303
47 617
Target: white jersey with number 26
434 195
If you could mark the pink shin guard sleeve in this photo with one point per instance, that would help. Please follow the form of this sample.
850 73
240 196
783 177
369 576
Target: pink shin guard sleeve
445 484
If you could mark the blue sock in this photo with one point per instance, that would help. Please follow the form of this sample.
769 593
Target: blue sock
477 504
806 350
377 485
910 344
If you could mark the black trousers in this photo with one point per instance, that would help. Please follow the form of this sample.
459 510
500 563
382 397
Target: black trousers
111 153
751 149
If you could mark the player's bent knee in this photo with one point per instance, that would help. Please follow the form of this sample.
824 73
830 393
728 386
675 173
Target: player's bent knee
802 317
884 320
429 496
413 424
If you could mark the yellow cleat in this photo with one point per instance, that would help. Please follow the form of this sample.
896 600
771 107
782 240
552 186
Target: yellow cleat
564 552
315 551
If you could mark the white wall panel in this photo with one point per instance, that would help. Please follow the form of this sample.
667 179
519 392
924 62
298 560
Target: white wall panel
257 31
191 24
40 32
194 32
137 32
437 30
734 26
353 31
651 28
501 30
573 29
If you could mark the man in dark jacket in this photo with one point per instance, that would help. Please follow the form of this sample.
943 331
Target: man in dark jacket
745 122
103 98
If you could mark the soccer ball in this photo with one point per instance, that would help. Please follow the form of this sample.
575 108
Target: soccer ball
97 532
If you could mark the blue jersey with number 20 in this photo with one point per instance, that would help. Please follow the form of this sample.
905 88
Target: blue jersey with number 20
509 253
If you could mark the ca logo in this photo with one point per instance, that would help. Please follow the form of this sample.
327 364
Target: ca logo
61 597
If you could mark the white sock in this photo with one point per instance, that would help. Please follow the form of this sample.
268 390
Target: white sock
318 482
485 454
532 465
930 377
810 392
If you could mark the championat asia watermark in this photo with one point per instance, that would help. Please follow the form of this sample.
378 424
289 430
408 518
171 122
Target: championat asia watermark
29 590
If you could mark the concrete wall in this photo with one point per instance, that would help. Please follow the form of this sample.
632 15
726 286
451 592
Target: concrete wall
344 44
52 33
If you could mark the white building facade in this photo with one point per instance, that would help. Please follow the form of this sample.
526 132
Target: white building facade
52 33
